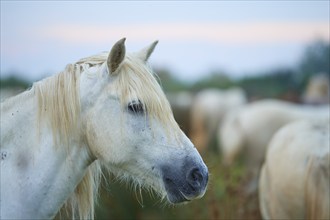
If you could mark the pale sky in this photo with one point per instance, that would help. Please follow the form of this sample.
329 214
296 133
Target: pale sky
38 38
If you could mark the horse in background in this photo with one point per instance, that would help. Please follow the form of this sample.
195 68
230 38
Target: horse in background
295 178
208 109
104 111
181 103
318 90
247 131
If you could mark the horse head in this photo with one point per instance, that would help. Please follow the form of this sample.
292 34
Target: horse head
130 128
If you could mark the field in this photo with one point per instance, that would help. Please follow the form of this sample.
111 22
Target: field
224 199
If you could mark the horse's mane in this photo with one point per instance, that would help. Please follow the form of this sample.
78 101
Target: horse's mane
58 102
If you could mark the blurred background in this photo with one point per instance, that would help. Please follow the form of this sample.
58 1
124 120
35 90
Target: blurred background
220 53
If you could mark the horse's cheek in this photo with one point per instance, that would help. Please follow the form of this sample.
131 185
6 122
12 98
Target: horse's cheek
94 142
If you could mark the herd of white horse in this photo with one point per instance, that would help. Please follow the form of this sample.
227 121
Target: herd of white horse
108 112
289 142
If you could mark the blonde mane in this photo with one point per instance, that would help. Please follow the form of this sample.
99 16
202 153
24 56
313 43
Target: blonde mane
59 105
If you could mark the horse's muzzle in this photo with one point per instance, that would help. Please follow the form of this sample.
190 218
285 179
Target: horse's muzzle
185 183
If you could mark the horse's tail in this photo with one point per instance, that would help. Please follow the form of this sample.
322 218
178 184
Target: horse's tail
317 188
231 137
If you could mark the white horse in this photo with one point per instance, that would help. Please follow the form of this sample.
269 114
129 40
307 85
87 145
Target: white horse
208 110
181 103
105 110
295 178
318 90
248 130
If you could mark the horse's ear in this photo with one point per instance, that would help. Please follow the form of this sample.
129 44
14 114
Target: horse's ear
145 53
116 55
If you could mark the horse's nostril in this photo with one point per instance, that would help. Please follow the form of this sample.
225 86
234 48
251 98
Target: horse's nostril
168 180
196 175
195 178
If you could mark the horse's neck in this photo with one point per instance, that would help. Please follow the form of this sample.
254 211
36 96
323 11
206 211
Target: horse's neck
36 176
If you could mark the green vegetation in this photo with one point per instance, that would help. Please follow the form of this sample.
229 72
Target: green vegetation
14 82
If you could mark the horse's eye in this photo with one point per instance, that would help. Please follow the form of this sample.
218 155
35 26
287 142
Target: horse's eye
136 107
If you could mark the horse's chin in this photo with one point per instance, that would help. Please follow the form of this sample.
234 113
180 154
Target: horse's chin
179 197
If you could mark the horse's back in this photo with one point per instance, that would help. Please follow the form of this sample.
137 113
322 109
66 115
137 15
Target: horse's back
259 120
295 162
250 128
